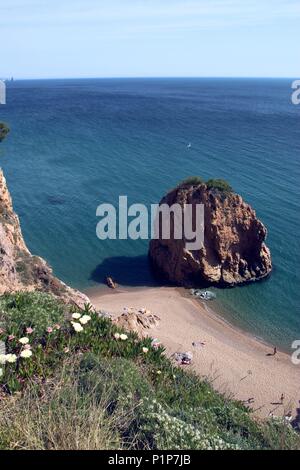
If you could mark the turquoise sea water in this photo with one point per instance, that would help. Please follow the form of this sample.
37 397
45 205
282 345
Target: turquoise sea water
77 143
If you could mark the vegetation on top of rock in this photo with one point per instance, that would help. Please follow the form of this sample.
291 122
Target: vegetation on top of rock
84 383
219 184
4 130
191 181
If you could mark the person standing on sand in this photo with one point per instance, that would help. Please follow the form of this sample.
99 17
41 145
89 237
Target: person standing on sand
275 351
282 398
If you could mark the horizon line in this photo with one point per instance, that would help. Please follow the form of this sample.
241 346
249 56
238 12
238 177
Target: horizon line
136 77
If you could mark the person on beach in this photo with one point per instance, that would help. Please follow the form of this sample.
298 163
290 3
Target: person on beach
275 351
282 398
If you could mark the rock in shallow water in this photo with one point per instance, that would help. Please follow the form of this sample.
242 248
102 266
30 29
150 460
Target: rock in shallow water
234 250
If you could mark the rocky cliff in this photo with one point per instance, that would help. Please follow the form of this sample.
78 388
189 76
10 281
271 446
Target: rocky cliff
19 269
233 252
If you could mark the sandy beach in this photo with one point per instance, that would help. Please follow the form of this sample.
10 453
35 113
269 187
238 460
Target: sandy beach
236 363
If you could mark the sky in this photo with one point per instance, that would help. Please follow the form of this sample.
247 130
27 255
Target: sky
149 38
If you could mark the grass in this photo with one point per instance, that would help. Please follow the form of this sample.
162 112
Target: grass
92 389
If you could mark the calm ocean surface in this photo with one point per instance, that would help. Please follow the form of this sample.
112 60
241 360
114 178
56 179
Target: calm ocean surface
77 143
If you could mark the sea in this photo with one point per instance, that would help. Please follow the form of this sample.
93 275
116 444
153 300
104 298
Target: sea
77 143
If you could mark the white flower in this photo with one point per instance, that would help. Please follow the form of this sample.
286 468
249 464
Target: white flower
76 316
2 358
24 340
1 372
84 319
123 337
26 353
77 327
10 358
145 350
158 372
117 335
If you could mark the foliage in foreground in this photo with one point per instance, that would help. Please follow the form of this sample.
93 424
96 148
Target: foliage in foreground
73 380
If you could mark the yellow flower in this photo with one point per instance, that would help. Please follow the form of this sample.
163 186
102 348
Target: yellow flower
84 319
77 327
123 337
26 353
76 316
145 350
24 340
10 358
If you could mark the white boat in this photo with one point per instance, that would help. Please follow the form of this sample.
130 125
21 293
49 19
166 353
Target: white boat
203 294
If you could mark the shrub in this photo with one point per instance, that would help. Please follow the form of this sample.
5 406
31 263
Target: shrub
219 184
192 181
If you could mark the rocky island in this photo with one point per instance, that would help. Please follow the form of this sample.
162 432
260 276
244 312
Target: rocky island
234 250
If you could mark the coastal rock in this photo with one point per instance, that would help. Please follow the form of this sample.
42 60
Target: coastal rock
19 269
110 282
138 322
234 249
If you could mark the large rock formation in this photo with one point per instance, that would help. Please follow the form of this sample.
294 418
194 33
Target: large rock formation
137 321
234 251
19 269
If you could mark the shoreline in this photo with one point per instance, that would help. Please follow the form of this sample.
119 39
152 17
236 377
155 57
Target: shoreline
98 292
236 362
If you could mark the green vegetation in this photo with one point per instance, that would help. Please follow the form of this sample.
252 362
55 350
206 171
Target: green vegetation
4 130
35 310
77 381
219 184
191 181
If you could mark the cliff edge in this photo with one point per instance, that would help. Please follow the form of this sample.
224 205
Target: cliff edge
19 269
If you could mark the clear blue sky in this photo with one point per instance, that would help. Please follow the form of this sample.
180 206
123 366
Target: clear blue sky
125 38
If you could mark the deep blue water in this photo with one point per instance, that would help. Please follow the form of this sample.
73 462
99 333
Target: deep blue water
77 143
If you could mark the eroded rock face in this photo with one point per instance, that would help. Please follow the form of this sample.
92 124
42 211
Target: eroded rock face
138 322
234 251
19 269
